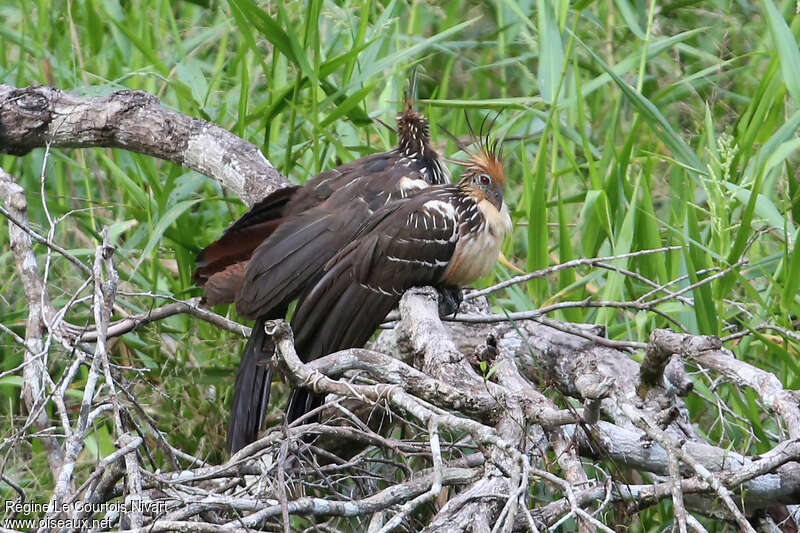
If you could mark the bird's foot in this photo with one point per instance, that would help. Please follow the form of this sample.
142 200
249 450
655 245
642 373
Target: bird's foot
450 299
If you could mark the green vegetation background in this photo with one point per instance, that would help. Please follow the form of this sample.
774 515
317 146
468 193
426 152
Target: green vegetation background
628 125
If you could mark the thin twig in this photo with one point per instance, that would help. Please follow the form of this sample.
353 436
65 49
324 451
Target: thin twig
563 266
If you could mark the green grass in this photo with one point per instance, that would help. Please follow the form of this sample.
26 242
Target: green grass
627 126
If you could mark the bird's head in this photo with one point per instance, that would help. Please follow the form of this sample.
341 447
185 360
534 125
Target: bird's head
413 132
483 176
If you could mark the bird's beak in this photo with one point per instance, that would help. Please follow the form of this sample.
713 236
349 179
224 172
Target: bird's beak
498 196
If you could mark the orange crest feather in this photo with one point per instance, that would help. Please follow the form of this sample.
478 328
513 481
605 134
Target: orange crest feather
487 158
488 161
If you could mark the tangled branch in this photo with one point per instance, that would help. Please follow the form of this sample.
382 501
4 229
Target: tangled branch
497 422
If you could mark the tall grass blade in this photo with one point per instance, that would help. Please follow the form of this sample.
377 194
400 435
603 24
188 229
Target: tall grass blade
788 52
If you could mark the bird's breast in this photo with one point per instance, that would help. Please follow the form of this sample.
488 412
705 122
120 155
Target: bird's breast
480 238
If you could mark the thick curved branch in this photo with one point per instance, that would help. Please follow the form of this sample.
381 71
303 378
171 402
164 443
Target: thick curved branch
472 401
709 352
34 117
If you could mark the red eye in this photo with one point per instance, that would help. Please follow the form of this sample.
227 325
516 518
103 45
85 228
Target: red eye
485 179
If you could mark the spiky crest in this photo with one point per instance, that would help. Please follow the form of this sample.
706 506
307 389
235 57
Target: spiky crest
487 158
413 130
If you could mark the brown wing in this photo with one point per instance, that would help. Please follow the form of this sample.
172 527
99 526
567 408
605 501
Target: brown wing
242 237
292 259
407 243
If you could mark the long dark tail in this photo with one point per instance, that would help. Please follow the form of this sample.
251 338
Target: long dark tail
301 401
251 393
337 314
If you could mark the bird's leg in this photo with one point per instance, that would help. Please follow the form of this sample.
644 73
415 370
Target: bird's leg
450 298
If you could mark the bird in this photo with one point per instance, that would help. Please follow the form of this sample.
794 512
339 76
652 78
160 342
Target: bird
444 235
303 229
377 178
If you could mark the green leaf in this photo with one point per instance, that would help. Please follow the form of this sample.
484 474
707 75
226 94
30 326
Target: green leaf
788 52
791 274
281 96
630 18
14 381
621 245
632 60
680 150
595 222
249 12
94 26
142 45
782 152
243 25
538 232
412 51
190 74
494 368
347 104
697 259
775 144
551 51
648 234
164 222
763 208
517 102
124 182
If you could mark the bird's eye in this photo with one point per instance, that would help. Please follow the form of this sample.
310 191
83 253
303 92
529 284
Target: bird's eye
484 179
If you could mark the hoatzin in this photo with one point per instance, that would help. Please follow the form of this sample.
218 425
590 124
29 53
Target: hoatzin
377 178
445 235
278 249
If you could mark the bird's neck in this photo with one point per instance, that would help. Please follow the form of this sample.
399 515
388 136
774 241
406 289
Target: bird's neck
481 232
424 158
498 221
416 148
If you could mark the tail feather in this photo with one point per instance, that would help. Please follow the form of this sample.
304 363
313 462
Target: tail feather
252 390
243 236
364 324
301 402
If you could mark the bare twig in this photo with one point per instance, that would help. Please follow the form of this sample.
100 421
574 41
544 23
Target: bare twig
564 266
130 323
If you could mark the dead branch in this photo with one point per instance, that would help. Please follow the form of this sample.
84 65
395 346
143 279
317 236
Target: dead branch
34 117
34 370
441 426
